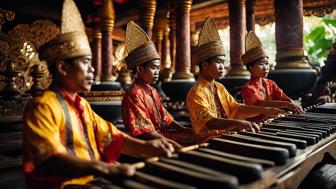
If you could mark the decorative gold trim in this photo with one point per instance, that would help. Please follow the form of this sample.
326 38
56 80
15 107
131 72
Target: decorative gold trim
184 5
147 9
108 16
64 46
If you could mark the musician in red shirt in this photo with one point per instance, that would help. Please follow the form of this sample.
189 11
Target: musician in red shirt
259 90
143 113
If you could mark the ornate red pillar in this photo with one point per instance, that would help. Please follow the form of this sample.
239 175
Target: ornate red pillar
250 15
237 18
183 61
108 16
147 10
289 34
166 72
97 53
160 25
172 39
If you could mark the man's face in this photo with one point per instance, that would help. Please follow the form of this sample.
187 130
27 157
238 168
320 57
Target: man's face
215 68
150 73
260 68
80 74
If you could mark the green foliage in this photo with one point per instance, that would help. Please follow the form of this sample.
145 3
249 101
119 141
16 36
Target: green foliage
320 39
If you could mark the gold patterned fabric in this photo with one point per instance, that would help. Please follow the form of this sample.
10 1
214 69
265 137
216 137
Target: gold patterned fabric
71 42
253 49
202 107
209 43
139 47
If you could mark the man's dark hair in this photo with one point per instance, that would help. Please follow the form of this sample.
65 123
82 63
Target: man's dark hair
52 68
144 65
251 64
200 64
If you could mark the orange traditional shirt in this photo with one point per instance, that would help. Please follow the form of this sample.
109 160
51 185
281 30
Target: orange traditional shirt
143 111
53 127
202 106
253 93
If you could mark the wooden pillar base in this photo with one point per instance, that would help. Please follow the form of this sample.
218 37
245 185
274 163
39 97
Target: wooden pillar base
183 74
238 70
291 58
294 82
166 74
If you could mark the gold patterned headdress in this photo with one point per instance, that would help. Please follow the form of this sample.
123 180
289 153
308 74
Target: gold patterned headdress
209 43
253 48
139 47
72 40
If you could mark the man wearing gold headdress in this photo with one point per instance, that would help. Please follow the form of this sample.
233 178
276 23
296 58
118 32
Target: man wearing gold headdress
211 108
260 91
65 142
143 113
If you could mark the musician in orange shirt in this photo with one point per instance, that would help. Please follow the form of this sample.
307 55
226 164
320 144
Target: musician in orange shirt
143 113
65 142
259 90
211 108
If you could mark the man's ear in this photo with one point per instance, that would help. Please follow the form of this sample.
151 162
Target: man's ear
61 68
139 69
204 65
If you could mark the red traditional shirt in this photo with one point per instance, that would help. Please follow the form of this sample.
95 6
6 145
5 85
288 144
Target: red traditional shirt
143 111
253 92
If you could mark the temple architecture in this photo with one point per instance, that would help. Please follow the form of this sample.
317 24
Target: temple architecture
173 26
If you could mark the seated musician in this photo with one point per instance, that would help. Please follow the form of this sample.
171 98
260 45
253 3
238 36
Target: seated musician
212 109
260 91
143 113
65 142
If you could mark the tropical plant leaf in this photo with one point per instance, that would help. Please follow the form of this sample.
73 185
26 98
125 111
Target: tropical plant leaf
330 21
316 34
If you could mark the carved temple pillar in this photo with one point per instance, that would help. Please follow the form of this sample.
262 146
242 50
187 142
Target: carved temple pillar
237 73
250 15
108 16
97 53
292 73
179 35
165 73
172 39
147 9
237 19
289 21
183 60
160 26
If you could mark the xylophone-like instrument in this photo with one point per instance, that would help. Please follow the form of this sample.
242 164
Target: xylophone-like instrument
279 156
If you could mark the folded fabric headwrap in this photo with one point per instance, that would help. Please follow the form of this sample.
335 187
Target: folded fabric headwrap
71 42
209 43
139 47
253 49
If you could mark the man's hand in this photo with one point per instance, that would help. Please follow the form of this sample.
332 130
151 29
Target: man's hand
106 170
295 108
176 146
272 112
159 147
248 126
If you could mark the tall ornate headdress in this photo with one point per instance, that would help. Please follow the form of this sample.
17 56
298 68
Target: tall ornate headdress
253 48
139 47
209 42
72 40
